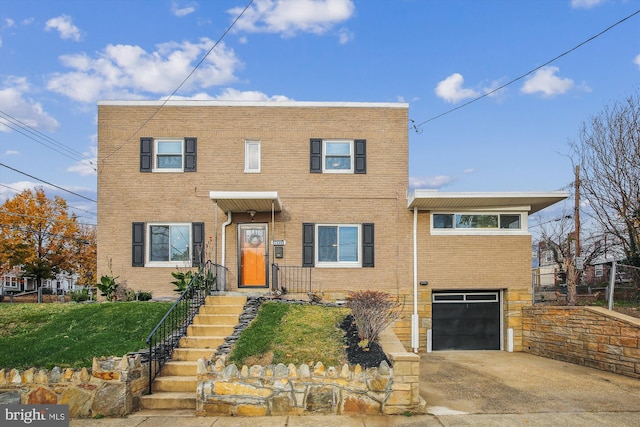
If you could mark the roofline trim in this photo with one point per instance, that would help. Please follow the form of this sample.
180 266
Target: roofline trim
217 103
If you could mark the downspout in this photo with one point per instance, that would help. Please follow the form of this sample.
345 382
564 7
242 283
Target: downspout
415 338
224 239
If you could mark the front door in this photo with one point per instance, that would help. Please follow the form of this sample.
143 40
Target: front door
253 255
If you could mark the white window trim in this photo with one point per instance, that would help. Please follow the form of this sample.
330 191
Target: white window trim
155 155
338 264
351 154
598 270
173 264
523 230
247 144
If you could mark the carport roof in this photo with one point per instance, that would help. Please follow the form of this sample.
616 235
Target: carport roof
434 200
244 201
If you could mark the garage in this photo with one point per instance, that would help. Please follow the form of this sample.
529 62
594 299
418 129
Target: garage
464 320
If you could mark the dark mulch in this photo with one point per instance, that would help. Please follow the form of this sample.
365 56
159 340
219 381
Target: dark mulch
368 357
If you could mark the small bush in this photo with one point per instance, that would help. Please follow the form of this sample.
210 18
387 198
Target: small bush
373 311
108 287
144 295
80 295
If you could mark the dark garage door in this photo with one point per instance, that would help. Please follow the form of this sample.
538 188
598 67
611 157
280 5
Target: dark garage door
466 321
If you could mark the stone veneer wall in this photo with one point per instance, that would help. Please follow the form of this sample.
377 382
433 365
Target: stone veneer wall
587 336
289 390
112 387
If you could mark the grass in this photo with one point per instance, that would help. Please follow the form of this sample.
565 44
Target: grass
290 333
71 335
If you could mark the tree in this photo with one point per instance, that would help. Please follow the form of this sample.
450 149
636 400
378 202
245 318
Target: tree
41 238
559 238
608 153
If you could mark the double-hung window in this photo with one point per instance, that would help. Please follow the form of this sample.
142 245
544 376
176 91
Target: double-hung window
346 156
168 154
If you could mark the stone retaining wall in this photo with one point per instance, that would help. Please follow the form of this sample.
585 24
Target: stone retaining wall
289 390
112 387
589 336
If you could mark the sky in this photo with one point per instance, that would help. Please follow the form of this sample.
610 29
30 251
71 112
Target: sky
496 88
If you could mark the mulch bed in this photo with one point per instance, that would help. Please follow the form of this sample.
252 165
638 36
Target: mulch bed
367 357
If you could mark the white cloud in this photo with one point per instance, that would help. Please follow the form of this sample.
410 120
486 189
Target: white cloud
430 182
586 4
86 167
129 72
230 94
546 82
11 153
451 90
636 61
16 104
288 17
469 170
180 10
64 26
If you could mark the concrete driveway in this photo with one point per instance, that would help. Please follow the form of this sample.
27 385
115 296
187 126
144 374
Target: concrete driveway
454 383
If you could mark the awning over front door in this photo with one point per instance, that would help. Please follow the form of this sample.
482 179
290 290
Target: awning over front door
245 201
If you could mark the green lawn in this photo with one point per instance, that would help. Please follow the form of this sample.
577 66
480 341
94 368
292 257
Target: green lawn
71 335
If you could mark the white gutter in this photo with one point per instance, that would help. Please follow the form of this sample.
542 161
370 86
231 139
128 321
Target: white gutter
415 338
224 238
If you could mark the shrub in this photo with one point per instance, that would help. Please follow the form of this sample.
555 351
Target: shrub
109 287
144 295
373 311
80 295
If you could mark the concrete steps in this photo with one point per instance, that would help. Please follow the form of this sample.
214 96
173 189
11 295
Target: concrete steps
175 386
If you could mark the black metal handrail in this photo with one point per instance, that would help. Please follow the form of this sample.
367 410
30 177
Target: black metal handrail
291 279
165 337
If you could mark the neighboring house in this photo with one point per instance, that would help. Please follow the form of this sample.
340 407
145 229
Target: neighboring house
321 188
13 282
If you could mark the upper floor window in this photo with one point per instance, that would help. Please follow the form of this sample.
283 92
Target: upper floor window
252 156
338 156
463 222
168 154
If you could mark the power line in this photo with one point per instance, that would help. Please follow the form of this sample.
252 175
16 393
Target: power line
41 138
45 218
419 125
75 208
183 82
48 183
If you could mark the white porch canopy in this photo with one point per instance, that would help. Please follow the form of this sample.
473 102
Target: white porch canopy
242 201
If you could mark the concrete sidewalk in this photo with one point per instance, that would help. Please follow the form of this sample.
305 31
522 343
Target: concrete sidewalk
465 388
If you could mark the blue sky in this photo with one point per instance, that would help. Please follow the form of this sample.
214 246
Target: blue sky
58 58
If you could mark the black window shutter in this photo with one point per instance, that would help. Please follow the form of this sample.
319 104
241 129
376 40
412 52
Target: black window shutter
367 245
197 243
146 154
137 244
360 156
308 256
316 156
190 152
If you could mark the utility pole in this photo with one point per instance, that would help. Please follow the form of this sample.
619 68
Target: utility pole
576 213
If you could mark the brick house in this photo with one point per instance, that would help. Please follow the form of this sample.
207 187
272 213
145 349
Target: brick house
318 189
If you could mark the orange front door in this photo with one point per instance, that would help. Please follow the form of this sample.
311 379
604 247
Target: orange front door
252 240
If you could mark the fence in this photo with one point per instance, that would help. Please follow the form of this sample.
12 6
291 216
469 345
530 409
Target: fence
291 279
550 288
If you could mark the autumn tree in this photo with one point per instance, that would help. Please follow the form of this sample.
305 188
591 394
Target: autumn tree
39 236
608 154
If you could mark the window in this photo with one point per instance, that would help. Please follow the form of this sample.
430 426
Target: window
338 156
167 244
168 154
476 221
252 156
338 245
599 270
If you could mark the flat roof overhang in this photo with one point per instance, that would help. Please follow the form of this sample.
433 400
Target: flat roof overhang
533 202
244 201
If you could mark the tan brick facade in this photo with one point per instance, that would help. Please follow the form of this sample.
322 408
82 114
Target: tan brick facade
379 197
